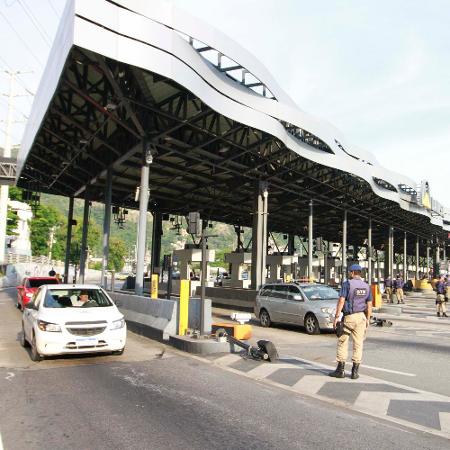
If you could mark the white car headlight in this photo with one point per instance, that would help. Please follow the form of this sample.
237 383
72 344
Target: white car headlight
117 324
47 326
328 310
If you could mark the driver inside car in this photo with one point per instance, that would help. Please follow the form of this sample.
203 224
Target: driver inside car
85 301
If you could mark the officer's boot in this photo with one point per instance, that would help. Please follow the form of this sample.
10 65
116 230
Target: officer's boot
339 372
355 368
439 314
444 315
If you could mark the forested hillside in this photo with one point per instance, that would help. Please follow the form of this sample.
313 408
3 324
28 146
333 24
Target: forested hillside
52 212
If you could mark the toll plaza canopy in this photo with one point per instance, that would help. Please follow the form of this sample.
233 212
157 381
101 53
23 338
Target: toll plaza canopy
126 76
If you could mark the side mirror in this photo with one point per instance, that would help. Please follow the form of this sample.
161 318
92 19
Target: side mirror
19 287
118 303
298 297
30 306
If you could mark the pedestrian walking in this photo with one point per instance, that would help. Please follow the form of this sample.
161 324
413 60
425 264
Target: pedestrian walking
388 288
441 290
398 286
355 304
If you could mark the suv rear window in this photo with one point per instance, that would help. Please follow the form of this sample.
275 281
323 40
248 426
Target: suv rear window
35 283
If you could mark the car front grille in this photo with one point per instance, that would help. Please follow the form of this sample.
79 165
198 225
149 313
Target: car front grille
86 331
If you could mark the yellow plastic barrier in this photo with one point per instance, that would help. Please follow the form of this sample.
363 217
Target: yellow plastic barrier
184 307
154 286
241 332
376 296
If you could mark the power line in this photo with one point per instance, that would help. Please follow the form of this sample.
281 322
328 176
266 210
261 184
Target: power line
35 22
53 9
15 108
21 39
19 81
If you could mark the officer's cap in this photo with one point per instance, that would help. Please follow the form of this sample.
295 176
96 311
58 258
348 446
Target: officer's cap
355 268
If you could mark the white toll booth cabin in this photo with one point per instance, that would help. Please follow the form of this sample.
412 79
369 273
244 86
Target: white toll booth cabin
184 259
237 260
276 262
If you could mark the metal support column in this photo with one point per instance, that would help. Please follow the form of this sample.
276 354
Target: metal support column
84 234
259 235
344 248
417 257
405 257
391 253
143 208
291 244
428 260
106 226
369 253
68 240
310 241
157 232
265 232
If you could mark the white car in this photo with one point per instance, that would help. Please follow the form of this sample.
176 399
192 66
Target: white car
64 318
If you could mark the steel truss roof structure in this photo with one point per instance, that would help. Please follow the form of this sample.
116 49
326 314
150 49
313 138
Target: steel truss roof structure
124 72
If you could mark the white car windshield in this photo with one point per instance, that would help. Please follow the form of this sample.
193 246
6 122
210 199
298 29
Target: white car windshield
318 292
75 298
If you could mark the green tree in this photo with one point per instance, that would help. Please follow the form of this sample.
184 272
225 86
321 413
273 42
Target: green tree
117 252
44 219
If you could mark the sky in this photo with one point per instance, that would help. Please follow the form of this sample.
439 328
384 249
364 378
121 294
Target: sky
377 70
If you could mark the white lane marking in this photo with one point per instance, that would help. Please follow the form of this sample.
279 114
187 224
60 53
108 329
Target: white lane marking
406 374
264 370
310 384
9 377
1 443
227 359
444 419
377 403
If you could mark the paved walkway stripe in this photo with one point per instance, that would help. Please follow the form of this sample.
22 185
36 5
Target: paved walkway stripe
411 407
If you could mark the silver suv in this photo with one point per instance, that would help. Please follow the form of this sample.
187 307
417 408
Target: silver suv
310 305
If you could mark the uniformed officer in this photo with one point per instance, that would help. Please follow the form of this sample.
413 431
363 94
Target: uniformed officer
388 288
355 302
441 289
398 286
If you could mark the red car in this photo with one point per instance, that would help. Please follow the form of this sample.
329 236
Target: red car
29 286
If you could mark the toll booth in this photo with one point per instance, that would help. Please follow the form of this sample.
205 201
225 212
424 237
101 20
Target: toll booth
239 274
280 264
184 259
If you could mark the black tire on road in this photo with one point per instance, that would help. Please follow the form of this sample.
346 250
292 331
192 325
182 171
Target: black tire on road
35 356
311 324
23 342
264 318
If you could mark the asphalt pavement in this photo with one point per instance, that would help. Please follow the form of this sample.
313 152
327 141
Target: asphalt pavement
154 397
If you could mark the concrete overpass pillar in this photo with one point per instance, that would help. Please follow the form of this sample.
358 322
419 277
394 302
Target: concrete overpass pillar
106 226
157 232
310 240
68 240
143 208
84 234
259 235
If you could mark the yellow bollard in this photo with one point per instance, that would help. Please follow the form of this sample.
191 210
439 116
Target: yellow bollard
154 286
184 307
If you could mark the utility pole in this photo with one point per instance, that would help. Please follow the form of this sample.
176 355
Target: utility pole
4 189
